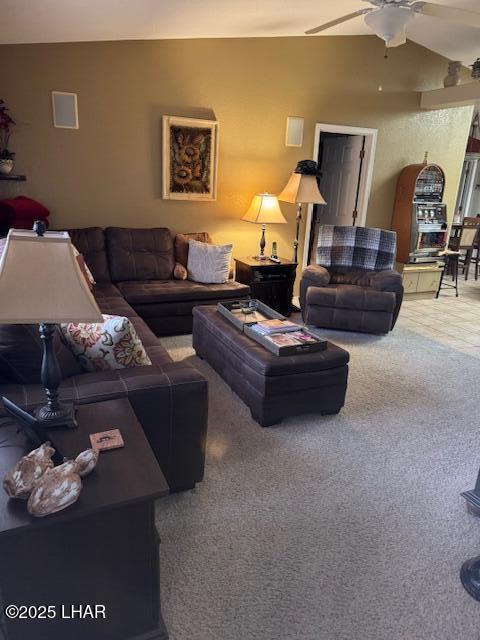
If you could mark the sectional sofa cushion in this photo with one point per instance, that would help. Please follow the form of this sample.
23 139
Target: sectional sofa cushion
90 242
21 352
140 254
106 290
159 356
132 252
179 291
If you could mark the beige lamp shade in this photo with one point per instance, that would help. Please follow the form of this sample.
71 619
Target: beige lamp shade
264 209
41 282
302 189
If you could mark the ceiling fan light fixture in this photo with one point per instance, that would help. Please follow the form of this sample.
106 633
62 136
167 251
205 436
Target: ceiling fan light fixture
388 21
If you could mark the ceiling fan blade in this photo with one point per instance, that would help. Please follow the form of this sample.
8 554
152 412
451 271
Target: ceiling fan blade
333 23
399 39
452 14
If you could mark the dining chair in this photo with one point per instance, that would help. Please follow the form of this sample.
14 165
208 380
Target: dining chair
467 241
476 248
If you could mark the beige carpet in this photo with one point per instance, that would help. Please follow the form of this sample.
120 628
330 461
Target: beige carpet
348 527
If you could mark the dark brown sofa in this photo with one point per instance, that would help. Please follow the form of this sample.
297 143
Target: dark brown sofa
169 398
139 263
133 272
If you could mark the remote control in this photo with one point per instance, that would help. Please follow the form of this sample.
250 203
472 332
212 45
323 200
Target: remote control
277 260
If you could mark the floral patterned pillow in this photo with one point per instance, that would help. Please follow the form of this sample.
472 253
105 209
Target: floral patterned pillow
113 344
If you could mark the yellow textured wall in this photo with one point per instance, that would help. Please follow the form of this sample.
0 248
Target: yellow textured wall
109 171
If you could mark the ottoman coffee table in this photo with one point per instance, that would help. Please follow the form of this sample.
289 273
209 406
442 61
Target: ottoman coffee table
273 387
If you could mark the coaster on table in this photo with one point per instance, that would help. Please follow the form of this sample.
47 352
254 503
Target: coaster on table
105 440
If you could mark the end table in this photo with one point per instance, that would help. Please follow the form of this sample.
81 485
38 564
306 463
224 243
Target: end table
270 282
103 550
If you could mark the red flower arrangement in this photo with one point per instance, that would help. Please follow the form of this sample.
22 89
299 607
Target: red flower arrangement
6 124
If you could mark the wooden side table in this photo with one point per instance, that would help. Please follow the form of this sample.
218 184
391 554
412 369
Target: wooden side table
103 550
270 282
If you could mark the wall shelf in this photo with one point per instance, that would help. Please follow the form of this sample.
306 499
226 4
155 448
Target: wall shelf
13 177
445 98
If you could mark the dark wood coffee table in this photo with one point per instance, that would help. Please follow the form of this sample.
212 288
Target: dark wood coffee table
103 550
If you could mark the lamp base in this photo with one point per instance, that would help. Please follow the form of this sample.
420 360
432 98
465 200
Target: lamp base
54 413
62 416
470 577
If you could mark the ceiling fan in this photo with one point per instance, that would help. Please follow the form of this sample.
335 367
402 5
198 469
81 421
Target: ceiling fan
389 18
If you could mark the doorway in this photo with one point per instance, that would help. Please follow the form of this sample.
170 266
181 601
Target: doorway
468 198
340 158
345 157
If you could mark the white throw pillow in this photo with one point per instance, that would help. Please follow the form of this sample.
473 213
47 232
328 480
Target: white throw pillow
208 263
102 346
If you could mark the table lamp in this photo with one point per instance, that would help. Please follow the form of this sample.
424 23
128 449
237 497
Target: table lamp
264 209
302 188
41 283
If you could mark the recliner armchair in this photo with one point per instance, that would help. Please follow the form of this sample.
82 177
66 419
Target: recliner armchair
354 286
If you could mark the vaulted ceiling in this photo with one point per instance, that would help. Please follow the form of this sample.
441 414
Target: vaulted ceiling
27 21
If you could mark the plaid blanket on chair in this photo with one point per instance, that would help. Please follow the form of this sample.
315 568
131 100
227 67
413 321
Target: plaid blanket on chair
356 247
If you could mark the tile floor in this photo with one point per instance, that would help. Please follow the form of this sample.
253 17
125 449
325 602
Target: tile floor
449 320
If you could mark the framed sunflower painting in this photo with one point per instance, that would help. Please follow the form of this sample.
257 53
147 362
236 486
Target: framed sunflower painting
190 155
